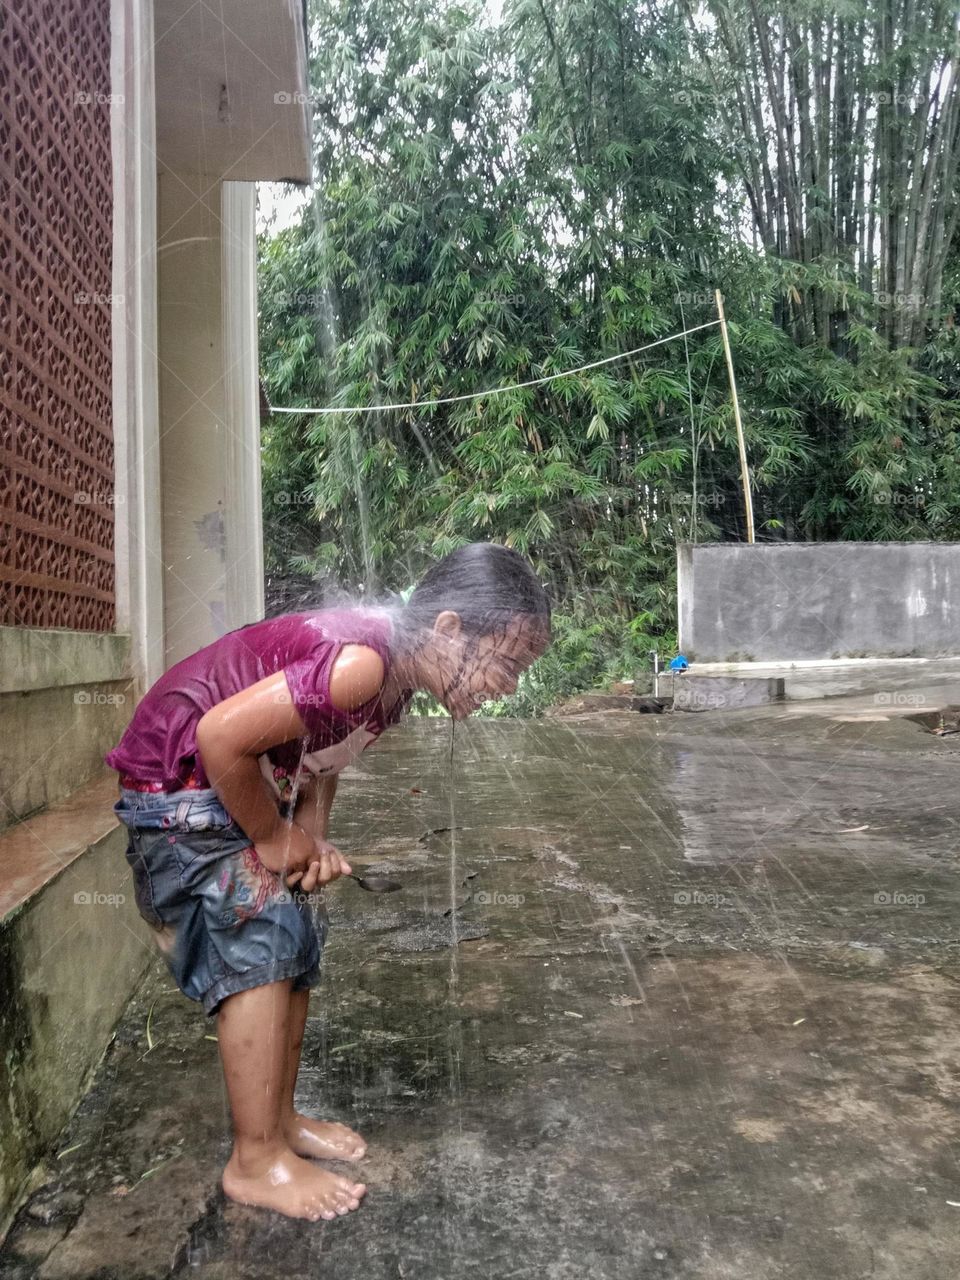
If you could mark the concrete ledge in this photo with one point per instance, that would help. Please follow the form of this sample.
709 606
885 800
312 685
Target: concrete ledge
725 693
72 949
65 699
53 740
893 684
33 658
36 851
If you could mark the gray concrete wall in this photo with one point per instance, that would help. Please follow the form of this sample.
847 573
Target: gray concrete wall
65 699
818 600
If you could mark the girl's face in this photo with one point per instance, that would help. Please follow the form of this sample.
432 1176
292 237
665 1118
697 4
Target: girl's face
463 673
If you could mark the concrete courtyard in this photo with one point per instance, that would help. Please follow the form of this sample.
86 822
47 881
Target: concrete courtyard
702 1019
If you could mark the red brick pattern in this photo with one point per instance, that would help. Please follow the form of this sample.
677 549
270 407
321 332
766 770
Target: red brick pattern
56 311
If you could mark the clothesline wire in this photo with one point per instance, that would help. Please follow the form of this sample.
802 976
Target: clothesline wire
495 391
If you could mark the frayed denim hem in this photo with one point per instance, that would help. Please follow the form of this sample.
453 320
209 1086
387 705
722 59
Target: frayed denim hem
298 967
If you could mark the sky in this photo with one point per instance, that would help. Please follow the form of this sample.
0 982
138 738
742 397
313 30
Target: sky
274 202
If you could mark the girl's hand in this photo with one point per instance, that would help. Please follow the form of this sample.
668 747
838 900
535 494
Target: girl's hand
326 864
288 850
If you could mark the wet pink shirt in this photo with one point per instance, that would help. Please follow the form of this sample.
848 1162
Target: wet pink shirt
160 743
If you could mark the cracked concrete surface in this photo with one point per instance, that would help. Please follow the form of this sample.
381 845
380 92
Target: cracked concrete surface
701 1021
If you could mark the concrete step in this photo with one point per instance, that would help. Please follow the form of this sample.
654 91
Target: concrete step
895 686
72 950
725 693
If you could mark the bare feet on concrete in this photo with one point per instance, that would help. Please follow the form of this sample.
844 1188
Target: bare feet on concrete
275 1177
322 1139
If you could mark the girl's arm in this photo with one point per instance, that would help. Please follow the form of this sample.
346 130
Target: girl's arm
313 806
231 735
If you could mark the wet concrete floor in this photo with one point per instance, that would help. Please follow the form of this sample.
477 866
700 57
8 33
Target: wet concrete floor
701 1021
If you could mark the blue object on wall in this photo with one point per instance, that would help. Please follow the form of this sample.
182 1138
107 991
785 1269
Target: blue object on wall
679 663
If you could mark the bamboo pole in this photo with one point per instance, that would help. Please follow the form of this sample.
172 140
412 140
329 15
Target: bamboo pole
741 443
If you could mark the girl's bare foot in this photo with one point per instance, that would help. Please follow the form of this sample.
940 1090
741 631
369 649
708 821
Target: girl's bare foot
274 1177
322 1139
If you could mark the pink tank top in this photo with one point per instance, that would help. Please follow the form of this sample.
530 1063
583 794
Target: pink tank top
159 746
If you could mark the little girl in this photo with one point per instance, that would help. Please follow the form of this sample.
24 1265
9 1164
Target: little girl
227 773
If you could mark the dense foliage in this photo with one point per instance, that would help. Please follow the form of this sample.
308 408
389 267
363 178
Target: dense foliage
502 200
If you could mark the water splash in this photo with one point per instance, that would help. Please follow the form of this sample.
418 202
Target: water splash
455 1042
451 764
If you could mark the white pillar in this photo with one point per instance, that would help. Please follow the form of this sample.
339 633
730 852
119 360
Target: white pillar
192 432
241 363
136 432
209 410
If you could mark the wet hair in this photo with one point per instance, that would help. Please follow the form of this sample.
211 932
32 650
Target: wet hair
486 584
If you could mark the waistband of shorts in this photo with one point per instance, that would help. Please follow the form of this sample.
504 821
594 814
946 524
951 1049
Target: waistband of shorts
195 809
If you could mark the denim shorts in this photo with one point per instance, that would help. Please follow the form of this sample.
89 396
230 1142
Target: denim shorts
224 922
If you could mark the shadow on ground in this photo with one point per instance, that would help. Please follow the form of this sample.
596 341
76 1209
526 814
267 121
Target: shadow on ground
700 1021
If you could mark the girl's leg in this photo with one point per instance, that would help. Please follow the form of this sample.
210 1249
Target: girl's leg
308 1137
253 1028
